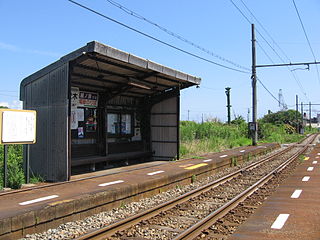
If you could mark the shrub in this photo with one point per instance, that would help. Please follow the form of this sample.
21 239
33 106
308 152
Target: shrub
15 166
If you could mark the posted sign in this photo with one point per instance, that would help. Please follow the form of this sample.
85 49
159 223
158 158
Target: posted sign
17 126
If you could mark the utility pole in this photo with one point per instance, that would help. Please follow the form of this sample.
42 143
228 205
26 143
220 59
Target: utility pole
188 114
297 110
228 104
310 116
302 129
254 90
202 119
248 115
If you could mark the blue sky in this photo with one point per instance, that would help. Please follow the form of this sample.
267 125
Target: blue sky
36 33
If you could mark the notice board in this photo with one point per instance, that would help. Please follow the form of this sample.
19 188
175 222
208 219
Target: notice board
17 126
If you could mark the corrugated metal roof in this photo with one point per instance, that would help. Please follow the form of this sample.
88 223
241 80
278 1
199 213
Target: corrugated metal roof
116 67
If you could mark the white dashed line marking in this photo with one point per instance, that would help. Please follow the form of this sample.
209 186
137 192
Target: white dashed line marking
310 169
296 193
38 200
305 179
110 183
222 156
314 162
280 221
207 160
154 173
318 153
242 150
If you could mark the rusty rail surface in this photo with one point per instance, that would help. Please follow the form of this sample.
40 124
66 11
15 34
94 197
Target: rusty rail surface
111 229
208 221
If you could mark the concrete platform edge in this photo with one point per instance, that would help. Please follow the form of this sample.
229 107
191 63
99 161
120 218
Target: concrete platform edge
75 209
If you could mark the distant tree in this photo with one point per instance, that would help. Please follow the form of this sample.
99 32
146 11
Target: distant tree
238 120
3 107
282 117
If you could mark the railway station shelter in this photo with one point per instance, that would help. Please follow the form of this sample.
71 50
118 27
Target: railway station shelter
99 105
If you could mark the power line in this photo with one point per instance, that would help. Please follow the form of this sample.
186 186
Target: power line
305 34
281 59
293 74
260 34
300 85
304 30
264 29
271 94
178 36
265 52
154 38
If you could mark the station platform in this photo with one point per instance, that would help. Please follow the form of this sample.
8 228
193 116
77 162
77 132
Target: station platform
38 209
293 211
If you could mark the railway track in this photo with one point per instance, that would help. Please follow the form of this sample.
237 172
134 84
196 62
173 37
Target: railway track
190 214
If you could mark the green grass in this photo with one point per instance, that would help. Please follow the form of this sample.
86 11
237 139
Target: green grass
200 138
196 139
273 133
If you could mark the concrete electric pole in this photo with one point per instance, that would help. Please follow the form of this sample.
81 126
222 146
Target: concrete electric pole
254 126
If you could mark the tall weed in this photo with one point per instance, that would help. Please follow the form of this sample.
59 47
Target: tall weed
200 138
15 168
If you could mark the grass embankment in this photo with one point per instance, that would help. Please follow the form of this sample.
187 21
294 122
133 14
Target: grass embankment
196 139
200 138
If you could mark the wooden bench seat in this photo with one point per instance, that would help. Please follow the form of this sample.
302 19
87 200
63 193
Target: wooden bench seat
110 157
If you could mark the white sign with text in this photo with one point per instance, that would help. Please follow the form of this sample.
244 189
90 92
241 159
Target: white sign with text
18 126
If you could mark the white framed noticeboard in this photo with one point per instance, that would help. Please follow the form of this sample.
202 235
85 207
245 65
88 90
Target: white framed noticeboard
17 126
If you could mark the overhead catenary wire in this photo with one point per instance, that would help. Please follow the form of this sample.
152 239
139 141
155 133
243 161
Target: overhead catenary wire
178 36
265 30
265 53
271 94
305 34
156 39
276 44
278 55
260 34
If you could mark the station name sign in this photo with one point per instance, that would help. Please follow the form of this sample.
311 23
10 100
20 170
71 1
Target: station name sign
83 98
17 126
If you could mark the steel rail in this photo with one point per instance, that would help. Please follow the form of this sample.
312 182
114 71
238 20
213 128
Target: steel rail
70 181
111 229
208 221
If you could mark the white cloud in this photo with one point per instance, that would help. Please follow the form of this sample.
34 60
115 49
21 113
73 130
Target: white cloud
13 48
4 104
15 104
